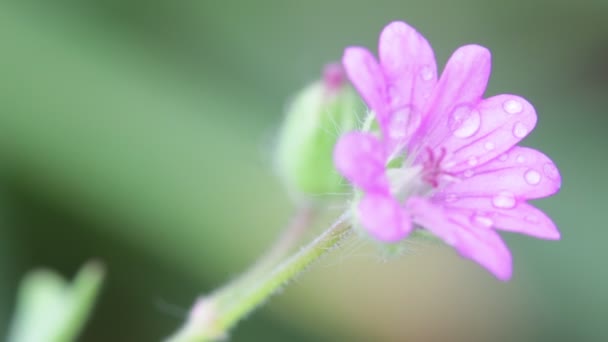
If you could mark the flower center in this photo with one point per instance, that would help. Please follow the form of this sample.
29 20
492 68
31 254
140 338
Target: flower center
420 178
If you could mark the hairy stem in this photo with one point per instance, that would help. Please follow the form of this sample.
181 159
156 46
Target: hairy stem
213 316
298 225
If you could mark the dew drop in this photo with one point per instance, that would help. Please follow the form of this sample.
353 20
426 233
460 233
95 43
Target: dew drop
532 219
450 198
468 173
448 164
473 161
512 106
457 56
504 200
520 130
520 159
395 96
551 171
464 122
503 157
489 146
426 73
532 177
398 124
483 221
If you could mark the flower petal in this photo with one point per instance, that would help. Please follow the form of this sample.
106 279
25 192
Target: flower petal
524 172
384 218
409 64
526 219
410 70
367 76
432 218
502 122
462 84
360 157
487 248
482 245
523 218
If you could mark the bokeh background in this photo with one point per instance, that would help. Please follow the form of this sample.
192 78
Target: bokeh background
140 133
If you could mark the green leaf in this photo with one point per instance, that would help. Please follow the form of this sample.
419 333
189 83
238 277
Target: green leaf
51 309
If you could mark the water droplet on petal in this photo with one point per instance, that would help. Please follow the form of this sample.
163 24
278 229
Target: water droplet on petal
551 171
458 55
512 106
504 200
489 146
446 165
426 73
520 159
464 121
395 96
532 219
450 198
473 161
520 130
468 173
403 123
503 157
483 221
532 177
398 123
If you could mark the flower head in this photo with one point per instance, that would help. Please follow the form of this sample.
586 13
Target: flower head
443 158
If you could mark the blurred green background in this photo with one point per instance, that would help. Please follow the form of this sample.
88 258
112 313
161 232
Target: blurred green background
140 133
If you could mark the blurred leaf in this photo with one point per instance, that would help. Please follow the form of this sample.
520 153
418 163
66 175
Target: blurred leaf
51 309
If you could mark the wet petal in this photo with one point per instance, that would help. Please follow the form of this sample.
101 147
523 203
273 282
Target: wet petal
524 172
360 157
384 218
487 248
482 245
367 76
462 84
409 66
432 218
526 219
504 120
523 218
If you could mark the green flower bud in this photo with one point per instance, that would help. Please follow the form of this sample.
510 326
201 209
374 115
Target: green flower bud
313 123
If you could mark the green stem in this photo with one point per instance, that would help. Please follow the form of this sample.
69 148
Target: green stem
290 235
211 319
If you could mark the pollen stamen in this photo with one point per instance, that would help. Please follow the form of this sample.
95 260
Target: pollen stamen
432 167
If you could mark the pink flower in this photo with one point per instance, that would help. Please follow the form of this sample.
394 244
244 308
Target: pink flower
443 158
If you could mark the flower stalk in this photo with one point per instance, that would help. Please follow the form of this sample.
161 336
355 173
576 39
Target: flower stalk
303 218
213 316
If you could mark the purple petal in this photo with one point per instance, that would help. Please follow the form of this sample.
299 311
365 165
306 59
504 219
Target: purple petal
384 218
360 157
526 219
432 218
502 122
462 85
487 248
409 66
524 172
367 76
482 245
523 218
